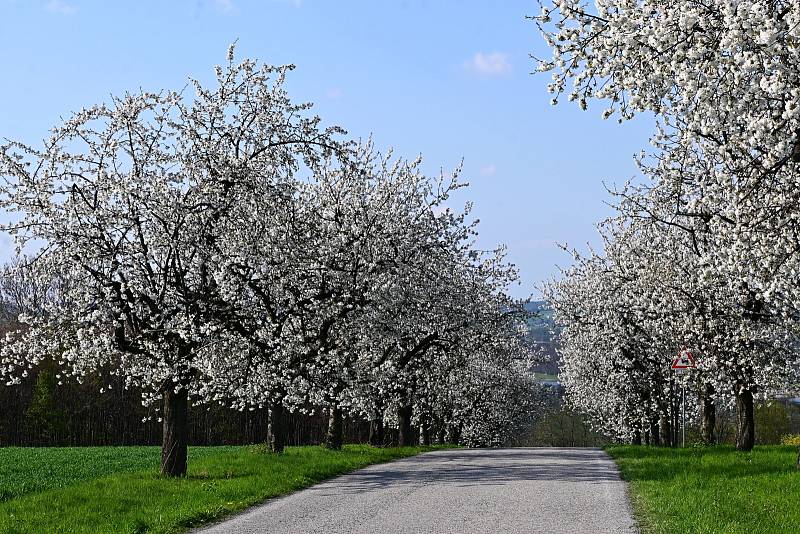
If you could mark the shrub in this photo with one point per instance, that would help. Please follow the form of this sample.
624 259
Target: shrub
791 439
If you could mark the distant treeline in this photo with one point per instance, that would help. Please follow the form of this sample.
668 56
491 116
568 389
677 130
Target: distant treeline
39 412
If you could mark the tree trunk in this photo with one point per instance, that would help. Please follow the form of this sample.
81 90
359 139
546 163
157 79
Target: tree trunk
376 433
655 437
637 437
333 440
404 438
708 415
175 437
276 432
454 434
745 426
426 434
665 430
440 438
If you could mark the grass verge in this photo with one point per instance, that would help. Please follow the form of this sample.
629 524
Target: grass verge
117 489
712 489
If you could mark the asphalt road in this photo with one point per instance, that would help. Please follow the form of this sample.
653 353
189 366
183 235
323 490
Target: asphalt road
456 491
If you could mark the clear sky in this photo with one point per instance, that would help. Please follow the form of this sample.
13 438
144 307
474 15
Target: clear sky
448 79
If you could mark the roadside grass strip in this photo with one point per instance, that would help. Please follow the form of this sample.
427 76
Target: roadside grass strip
118 489
712 489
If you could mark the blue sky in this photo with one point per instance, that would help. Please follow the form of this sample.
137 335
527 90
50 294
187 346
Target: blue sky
448 79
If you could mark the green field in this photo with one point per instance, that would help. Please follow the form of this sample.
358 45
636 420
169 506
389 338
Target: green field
544 377
117 489
715 489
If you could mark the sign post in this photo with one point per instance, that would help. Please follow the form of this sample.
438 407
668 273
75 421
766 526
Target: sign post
680 364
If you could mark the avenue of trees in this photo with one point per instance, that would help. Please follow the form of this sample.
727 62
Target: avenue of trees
703 252
225 248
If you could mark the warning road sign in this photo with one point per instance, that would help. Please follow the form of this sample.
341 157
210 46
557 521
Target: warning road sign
684 361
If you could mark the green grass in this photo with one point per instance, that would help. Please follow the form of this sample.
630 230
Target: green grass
31 469
714 489
117 489
545 377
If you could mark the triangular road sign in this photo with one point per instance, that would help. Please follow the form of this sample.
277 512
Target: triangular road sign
685 360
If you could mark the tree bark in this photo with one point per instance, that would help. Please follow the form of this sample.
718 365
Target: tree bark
745 425
655 437
454 434
426 434
440 438
665 430
637 437
175 437
708 415
333 440
404 438
276 431
376 433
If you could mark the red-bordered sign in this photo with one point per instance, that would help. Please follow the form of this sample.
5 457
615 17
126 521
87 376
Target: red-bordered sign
684 360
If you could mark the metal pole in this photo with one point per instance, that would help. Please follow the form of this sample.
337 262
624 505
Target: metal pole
673 416
683 413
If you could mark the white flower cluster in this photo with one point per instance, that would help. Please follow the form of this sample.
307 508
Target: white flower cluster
705 254
229 246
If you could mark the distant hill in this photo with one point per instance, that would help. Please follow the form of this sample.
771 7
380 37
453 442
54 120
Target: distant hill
542 330
541 327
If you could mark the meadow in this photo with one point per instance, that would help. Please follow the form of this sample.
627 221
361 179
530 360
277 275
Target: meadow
712 489
118 489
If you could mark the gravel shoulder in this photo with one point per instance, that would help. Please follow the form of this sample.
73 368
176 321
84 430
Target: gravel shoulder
553 490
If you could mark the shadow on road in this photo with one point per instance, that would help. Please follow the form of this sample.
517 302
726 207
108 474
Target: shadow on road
473 467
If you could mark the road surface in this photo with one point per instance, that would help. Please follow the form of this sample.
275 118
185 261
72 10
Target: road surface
456 491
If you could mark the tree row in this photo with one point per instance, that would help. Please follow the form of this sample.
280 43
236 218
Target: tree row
224 247
702 254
